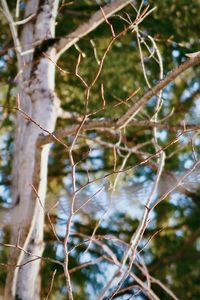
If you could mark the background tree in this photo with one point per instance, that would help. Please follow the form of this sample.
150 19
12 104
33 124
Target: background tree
124 142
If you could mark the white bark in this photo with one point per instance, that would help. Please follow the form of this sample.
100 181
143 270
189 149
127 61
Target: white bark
37 99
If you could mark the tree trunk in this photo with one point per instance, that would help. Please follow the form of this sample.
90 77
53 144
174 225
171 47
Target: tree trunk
38 100
38 108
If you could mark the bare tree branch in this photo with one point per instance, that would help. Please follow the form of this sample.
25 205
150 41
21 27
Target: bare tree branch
13 30
136 107
98 18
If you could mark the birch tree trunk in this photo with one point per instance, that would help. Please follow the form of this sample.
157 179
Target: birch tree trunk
38 100
38 109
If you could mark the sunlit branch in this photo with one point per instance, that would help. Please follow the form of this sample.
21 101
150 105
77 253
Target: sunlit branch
97 19
13 30
171 76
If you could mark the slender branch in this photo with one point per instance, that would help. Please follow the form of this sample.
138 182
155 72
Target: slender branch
162 124
98 18
171 76
164 287
61 133
51 286
13 30
134 109
24 21
86 264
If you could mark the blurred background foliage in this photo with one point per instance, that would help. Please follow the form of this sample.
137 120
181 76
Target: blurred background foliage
173 255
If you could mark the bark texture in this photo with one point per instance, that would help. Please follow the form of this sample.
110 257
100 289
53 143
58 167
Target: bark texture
36 80
38 100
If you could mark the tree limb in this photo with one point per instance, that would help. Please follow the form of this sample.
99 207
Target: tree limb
98 18
171 76
13 30
134 109
61 133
